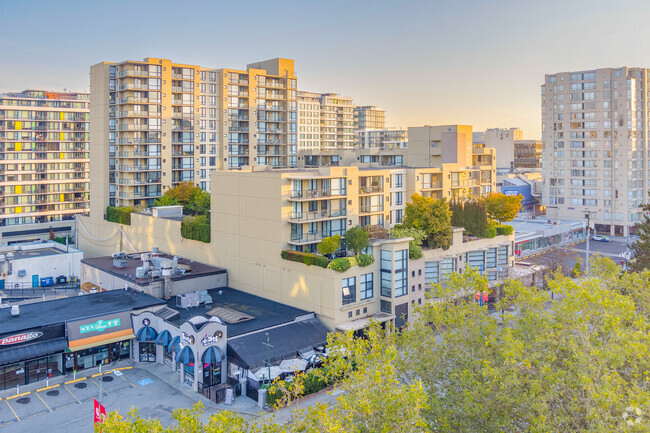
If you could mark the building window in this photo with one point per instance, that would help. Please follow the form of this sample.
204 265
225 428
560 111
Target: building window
365 310
365 286
431 270
349 290
446 267
349 314
386 307
386 267
401 273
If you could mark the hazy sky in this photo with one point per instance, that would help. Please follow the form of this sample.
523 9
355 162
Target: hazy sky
425 62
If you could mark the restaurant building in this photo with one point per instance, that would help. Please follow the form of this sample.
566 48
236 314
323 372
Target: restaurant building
54 338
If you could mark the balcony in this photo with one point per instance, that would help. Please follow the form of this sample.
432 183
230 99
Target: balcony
121 114
271 108
137 73
138 181
311 194
189 77
139 141
133 86
138 168
244 118
132 127
240 129
182 89
306 238
432 185
377 208
138 100
182 153
464 183
363 190
316 215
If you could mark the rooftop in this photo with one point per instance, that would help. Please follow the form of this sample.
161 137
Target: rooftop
527 228
80 307
264 312
193 269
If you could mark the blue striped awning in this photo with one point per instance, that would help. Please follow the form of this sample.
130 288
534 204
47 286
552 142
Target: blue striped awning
213 355
164 338
185 356
175 345
146 333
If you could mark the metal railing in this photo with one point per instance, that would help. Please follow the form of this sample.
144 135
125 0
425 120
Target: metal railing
370 189
315 215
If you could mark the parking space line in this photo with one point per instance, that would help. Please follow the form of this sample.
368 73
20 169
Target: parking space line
12 410
103 389
127 381
74 396
19 395
46 405
73 381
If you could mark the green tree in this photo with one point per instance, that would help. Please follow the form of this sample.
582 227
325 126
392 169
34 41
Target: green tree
415 251
356 239
431 216
329 245
165 200
501 207
641 248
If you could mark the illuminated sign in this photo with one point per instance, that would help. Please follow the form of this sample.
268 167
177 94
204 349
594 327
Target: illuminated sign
99 326
211 339
187 339
20 338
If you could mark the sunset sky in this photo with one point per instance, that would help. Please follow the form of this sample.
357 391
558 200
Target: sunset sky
424 62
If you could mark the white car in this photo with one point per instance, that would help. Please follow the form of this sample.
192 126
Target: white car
600 238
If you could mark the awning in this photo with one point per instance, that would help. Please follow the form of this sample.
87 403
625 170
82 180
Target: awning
293 365
185 356
174 345
529 202
164 338
286 341
146 333
355 325
34 350
100 340
213 355
263 373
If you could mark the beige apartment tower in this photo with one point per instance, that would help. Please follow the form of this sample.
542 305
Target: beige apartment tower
157 123
595 156
44 163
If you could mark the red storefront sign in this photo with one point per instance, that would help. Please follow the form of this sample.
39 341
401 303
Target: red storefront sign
20 338
99 415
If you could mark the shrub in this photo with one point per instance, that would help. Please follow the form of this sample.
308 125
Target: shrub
505 230
313 382
575 272
306 258
490 231
365 260
340 265
120 215
415 252
329 245
356 239
196 228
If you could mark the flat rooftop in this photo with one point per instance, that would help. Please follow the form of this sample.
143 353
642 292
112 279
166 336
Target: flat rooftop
264 312
76 308
41 252
133 261
527 228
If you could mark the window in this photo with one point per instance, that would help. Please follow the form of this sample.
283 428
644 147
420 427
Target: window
476 259
446 267
365 286
397 181
401 273
431 272
386 267
385 307
349 290
398 198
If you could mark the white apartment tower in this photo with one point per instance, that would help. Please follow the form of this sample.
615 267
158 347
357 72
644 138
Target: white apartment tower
595 134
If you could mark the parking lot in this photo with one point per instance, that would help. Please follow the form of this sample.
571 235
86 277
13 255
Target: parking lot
68 406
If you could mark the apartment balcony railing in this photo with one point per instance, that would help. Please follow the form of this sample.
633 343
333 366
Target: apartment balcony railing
139 141
271 107
138 181
138 100
182 89
238 118
138 73
238 141
271 153
182 77
138 168
121 114
243 152
316 215
463 183
128 195
274 142
233 129
240 82
370 189
432 185
182 153
316 193
238 105
132 127
177 114
307 237
239 94
180 101
371 209
133 86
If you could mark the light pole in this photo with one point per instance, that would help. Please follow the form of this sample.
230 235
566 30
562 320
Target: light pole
268 358
101 384
588 216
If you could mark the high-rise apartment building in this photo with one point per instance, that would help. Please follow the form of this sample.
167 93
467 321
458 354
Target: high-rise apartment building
369 117
595 134
44 173
512 151
157 123
336 120
381 138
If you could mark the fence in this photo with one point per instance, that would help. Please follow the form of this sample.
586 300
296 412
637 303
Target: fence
24 290
217 393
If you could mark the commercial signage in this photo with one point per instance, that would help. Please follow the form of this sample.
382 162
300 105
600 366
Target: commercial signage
99 412
20 338
99 326
211 339
187 339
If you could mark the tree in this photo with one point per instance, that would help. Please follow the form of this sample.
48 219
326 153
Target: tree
472 216
329 245
52 235
431 216
415 252
165 200
501 207
356 239
641 248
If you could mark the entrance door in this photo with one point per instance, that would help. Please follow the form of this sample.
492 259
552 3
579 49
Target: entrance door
34 280
36 370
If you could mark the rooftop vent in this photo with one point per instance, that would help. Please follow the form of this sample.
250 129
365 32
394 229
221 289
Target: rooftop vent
229 315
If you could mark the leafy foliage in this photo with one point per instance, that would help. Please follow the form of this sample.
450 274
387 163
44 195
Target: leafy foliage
120 215
194 200
341 264
196 228
505 230
431 216
415 251
501 207
356 239
472 216
365 260
62 240
165 200
377 232
641 248
329 245
306 258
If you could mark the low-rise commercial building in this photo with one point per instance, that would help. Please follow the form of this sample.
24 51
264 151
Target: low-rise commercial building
535 235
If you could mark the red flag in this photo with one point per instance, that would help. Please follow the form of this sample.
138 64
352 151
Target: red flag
99 412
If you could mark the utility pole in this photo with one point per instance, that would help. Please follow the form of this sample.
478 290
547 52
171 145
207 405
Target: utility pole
268 358
588 216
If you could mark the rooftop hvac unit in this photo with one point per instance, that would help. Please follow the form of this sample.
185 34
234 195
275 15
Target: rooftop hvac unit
141 272
120 263
187 300
120 255
15 310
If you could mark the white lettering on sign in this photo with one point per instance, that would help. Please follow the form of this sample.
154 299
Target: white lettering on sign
20 338
187 339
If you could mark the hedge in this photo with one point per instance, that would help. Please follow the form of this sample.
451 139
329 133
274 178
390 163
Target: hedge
196 228
365 260
120 215
491 231
312 383
505 230
306 258
415 252
341 265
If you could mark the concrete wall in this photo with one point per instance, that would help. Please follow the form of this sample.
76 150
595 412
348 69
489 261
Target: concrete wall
67 264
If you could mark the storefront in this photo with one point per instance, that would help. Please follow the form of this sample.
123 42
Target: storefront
98 340
31 355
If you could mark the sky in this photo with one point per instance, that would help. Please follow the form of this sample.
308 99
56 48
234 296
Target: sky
425 62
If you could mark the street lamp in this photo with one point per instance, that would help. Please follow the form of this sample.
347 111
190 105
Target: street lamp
268 358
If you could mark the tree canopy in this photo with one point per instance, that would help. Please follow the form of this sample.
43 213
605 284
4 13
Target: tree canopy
356 239
642 246
578 363
194 200
501 207
431 216
415 251
329 245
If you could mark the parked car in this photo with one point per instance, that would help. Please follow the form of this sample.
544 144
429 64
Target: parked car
600 238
